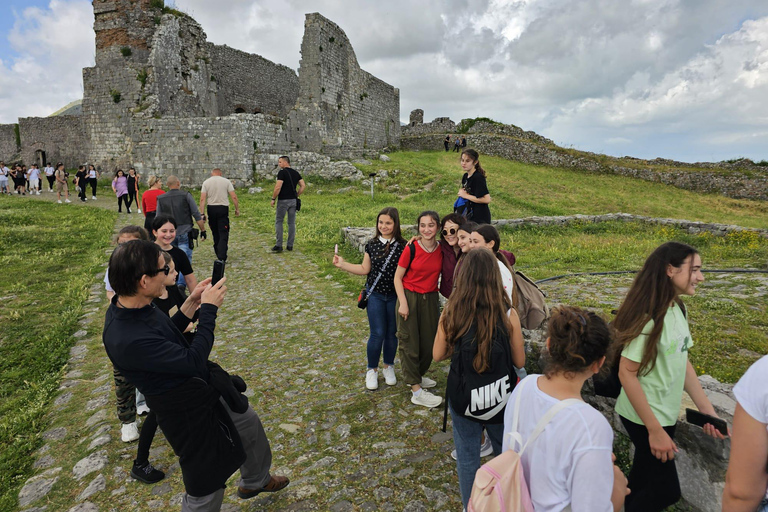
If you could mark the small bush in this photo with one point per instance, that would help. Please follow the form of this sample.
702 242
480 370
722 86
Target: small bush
196 136
157 4
126 51
195 68
157 20
17 134
213 78
321 48
142 77
116 96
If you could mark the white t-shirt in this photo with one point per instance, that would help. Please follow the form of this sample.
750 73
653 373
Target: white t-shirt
752 392
570 462
4 171
92 174
506 279
49 171
34 174
107 286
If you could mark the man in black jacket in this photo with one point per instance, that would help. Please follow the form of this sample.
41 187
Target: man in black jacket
209 424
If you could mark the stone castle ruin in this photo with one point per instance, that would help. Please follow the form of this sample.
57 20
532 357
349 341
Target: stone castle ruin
165 100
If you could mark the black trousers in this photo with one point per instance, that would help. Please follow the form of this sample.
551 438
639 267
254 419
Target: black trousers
94 183
51 180
81 194
147 434
132 198
218 219
123 199
149 218
654 484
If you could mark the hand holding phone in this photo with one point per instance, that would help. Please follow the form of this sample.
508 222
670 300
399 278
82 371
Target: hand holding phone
700 419
218 271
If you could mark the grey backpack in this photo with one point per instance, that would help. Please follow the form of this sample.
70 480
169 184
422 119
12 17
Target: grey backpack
531 305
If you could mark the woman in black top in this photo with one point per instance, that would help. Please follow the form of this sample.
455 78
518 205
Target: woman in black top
133 189
164 231
474 188
386 247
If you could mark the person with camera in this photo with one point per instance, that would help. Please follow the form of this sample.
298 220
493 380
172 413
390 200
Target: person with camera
180 205
199 406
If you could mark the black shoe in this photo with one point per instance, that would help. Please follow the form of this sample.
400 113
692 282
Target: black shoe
277 248
289 248
146 473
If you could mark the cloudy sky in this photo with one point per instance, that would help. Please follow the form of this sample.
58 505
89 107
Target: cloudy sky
684 79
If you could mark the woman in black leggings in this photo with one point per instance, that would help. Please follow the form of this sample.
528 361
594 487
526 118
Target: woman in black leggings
133 188
93 179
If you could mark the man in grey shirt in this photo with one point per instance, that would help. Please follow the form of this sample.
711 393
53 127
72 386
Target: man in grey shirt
180 205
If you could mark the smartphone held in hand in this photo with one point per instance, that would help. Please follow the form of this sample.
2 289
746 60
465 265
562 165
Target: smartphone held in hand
218 271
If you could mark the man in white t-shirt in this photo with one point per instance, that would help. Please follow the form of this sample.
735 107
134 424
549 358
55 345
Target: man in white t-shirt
217 190
33 176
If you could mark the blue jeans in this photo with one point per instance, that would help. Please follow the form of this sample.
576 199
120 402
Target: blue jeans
182 242
381 319
466 438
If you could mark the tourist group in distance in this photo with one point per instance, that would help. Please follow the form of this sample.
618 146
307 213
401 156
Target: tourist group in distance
449 293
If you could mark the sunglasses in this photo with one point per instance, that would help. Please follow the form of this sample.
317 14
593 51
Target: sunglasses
165 270
447 232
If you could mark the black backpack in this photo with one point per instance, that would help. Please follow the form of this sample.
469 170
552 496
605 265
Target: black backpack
481 397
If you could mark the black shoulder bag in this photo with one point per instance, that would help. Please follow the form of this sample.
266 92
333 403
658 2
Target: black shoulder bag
362 299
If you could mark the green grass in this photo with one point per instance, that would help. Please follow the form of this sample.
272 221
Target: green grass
49 256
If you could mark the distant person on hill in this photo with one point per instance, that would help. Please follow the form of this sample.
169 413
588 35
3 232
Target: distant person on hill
447 143
149 201
120 187
217 191
474 188
380 263
746 482
61 183
652 329
287 197
93 179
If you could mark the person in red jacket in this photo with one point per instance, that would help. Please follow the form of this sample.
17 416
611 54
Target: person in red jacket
149 201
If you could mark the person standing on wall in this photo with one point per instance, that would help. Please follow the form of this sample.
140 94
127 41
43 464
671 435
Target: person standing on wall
217 190
287 202
474 188
180 205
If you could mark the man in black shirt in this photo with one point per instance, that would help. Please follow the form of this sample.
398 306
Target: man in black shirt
286 195
198 405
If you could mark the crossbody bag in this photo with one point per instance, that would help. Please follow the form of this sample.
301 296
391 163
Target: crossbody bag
362 299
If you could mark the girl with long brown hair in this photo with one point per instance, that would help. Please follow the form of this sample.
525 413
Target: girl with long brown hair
479 318
653 333
474 188
382 253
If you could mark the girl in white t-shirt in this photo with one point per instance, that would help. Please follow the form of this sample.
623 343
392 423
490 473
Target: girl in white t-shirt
487 236
569 466
746 483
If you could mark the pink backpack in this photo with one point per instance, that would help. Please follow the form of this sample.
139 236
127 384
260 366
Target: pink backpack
500 484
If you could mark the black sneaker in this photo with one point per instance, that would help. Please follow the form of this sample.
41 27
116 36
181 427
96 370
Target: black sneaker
146 473
289 248
277 248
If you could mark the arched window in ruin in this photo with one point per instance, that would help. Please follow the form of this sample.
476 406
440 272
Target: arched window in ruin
239 110
40 158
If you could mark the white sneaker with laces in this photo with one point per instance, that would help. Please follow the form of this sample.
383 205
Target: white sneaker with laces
426 399
129 432
426 383
389 376
486 448
94 198
142 409
139 210
372 379
59 201
67 201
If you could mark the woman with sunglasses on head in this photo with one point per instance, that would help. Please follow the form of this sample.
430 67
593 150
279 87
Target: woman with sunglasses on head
449 246
416 280
164 231
380 263
652 330
474 188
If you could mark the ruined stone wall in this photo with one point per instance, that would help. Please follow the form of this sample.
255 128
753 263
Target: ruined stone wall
62 138
308 164
442 125
252 84
8 147
340 106
191 147
123 24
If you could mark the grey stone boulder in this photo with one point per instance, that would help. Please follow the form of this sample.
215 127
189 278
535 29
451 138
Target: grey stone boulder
384 158
38 486
98 484
94 462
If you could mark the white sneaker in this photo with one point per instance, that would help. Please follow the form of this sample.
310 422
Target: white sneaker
486 448
38 192
139 210
453 455
427 383
142 409
389 376
129 432
426 399
59 201
67 201
94 198
372 379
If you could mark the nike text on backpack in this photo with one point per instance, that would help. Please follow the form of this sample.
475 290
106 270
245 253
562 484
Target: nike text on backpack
481 397
500 484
